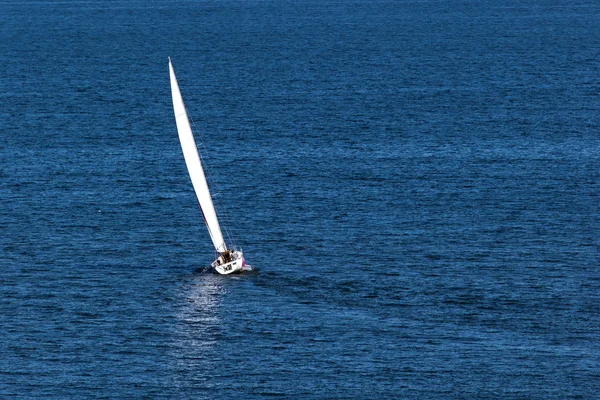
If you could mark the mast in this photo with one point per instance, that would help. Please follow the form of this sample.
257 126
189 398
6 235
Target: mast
194 166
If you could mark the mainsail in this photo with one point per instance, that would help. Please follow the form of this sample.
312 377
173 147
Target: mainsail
192 160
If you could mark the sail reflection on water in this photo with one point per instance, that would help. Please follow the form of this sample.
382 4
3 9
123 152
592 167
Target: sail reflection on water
197 327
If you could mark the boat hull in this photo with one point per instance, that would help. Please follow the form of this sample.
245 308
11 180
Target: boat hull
236 265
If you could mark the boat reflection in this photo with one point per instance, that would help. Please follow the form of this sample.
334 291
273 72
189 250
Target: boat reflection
197 324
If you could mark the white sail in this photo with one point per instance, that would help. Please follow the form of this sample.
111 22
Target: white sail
192 160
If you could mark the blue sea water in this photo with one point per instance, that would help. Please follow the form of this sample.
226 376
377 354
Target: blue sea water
417 183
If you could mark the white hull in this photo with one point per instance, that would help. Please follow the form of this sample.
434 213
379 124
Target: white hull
235 265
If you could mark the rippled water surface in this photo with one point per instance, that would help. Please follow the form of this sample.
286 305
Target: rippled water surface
417 183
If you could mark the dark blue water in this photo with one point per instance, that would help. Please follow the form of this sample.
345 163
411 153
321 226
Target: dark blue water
417 183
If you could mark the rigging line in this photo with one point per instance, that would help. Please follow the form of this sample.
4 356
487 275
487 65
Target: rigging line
219 209
204 160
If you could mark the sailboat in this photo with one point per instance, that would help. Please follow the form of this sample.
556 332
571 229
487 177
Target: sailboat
229 260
